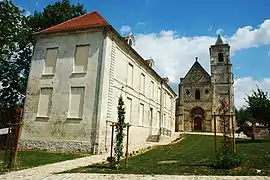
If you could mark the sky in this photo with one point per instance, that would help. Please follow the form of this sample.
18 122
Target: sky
174 32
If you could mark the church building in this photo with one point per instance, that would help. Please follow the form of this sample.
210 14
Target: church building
200 94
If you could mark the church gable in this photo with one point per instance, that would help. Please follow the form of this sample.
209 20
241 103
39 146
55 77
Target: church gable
196 74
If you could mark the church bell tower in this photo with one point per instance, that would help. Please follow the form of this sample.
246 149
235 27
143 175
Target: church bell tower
222 78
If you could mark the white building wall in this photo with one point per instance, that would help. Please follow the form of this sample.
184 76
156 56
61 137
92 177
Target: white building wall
133 95
104 80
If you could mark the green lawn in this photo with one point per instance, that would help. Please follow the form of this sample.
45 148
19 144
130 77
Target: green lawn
192 156
33 158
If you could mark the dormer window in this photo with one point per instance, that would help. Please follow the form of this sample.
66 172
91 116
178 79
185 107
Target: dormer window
220 57
130 42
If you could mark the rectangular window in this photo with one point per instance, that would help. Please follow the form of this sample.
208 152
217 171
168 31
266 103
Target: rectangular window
142 83
169 122
141 116
158 118
76 102
151 117
50 60
164 121
130 75
128 110
158 95
81 58
152 90
45 102
164 99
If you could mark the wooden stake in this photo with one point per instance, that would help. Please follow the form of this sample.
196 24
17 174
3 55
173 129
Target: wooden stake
126 160
18 138
215 132
234 148
112 142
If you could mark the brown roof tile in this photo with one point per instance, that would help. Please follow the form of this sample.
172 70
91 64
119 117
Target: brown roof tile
92 19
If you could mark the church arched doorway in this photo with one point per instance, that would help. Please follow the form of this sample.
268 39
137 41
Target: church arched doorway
197 123
197 115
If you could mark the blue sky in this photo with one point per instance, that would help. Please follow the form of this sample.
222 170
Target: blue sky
156 22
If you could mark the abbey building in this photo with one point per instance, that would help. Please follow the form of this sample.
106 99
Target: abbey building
200 93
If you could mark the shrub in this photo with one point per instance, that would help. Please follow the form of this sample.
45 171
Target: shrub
226 160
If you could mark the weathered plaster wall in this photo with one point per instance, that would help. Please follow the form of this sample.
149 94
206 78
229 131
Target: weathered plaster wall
104 81
57 126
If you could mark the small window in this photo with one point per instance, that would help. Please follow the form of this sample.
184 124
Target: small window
81 58
206 91
220 57
50 60
130 42
187 92
130 75
197 94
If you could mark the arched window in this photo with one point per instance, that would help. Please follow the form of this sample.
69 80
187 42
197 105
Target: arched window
197 94
130 42
220 57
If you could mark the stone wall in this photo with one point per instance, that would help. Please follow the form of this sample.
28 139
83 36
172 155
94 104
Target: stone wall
58 146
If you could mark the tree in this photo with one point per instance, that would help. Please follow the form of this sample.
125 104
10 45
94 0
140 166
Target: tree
259 107
14 47
242 116
55 14
120 131
17 42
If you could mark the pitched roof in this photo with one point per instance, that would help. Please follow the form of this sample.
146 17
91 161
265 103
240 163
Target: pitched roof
92 19
197 67
219 41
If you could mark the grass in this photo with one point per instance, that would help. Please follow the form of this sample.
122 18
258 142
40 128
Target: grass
191 156
33 158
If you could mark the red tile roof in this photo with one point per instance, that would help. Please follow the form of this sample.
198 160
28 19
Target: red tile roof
92 19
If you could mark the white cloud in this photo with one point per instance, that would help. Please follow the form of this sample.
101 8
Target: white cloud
125 29
167 33
220 31
245 85
27 13
174 55
36 3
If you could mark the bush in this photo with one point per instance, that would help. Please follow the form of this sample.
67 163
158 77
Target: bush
226 160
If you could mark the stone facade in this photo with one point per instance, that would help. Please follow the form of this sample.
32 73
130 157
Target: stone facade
200 94
75 81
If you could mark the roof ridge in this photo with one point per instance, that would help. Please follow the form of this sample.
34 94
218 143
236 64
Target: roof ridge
65 22
94 13
102 18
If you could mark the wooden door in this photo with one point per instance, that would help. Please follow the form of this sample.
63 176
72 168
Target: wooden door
197 124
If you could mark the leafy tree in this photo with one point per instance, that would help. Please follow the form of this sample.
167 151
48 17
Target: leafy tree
17 41
242 116
259 107
55 14
119 131
14 50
